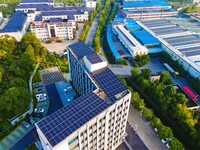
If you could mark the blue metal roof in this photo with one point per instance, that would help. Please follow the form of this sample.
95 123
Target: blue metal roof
154 3
65 121
81 49
145 37
16 22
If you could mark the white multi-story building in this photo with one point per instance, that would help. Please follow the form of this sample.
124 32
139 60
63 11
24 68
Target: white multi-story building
54 28
90 3
95 120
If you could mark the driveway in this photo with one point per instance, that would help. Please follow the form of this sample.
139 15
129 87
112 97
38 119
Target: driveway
144 131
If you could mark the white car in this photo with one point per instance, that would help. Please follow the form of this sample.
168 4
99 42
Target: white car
68 89
40 95
39 110
42 98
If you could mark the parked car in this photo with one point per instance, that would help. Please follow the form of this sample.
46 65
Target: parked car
40 95
42 98
39 84
38 110
39 90
32 121
37 115
68 89
25 124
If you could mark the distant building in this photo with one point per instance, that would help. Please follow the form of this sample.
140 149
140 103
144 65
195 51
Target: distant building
1 17
95 120
194 1
53 28
154 77
17 26
147 9
51 22
32 2
90 3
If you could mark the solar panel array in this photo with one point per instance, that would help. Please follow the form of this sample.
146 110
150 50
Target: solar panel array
65 121
94 58
81 49
16 22
36 1
109 83
168 30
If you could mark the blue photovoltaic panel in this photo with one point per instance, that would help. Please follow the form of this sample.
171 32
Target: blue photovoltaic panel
94 58
81 49
36 1
189 49
65 121
109 83
16 22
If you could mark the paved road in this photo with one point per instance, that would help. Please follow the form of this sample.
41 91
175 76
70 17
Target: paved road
133 139
120 69
145 132
92 30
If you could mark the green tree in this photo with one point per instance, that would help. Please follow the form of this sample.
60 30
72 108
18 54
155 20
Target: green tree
145 73
148 113
134 72
155 123
165 78
164 132
175 144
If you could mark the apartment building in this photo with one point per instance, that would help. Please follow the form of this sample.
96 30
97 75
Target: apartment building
95 120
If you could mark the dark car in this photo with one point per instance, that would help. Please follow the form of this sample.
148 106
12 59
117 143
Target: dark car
39 84
38 115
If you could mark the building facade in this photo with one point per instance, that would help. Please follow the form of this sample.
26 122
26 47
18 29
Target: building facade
90 3
51 29
95 120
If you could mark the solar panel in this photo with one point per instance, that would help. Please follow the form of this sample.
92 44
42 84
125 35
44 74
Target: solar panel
109 83
81 49
16 22
94 58
65 121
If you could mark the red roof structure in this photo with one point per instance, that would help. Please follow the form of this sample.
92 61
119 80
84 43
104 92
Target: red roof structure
189 92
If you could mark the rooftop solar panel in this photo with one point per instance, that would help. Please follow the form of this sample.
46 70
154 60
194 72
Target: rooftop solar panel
65 121
81 49
189 49
109 83
16 22
94 58
192 53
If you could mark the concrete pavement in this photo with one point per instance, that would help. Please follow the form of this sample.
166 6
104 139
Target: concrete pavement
144 131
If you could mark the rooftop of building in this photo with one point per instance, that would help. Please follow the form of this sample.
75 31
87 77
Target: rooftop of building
94 58
16 22
66 120
26 6
148 3
36 1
